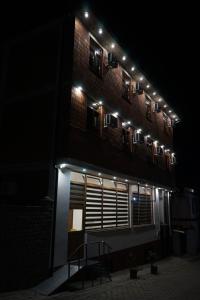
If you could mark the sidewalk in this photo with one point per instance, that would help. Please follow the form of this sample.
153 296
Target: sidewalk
178 278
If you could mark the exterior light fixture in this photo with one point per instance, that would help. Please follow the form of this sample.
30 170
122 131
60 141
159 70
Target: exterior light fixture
154 93
123 123
176 120
128 122
126 180
94 104
162 146
124 58
133 69
100 102
169 111
115 114
146 185
141 78
139 130
62 166
148 136
148 86
112 46
84 170
160 100
174 116
86 14
99 174
114 178
100 31
79 88
127 82
165 106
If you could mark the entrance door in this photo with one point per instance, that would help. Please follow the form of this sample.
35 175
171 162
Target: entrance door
75 219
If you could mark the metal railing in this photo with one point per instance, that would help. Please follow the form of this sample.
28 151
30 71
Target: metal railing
75 258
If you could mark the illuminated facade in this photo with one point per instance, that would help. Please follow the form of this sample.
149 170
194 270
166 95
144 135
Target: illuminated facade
100 162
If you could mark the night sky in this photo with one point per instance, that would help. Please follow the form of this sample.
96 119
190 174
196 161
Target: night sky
162 40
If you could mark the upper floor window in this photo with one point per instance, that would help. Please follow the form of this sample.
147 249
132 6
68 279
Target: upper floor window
126 86
93 118
148 108
96 58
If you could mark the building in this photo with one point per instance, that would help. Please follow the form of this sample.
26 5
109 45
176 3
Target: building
87 151
185 216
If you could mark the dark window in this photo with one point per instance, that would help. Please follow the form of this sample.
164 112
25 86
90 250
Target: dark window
148 109
142 206
126 86
96 58
92 118
126 138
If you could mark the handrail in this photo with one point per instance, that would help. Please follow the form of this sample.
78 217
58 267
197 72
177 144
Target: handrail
90 243
98 243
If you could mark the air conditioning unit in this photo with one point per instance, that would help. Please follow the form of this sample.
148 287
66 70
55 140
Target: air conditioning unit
139 89
138 138
110 121
157 107
112 61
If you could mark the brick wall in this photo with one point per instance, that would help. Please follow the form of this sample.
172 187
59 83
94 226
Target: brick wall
106 145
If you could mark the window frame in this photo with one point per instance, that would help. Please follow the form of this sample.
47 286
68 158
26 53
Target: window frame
97 68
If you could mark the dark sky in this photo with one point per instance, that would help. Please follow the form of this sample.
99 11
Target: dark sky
163 40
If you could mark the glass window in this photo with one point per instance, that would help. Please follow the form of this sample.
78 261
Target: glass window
75 220
141 205
96 58
126 86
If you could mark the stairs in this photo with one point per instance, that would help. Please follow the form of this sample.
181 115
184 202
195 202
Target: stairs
83 268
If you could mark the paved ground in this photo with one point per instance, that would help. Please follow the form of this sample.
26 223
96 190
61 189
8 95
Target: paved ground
179 278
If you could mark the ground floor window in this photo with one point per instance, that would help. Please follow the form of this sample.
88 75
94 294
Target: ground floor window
142 205
106 202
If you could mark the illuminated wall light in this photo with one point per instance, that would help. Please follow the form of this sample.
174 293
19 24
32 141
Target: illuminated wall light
129 122
127 82
139 130
155 142
112 46
160 100
100 31
141 78
124 58
84 170
154 93
115 114
62 166
123 123
165 106
94 104
79 89
162 146
148 86
114 178
99 174
176 120
133 69
86 14
100 102
169 111
174 116
126 180
148 136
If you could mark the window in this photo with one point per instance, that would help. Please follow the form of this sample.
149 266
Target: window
148 108
167 123
141 205
126 138
96 58
126 86
93 119
106 204
75 220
